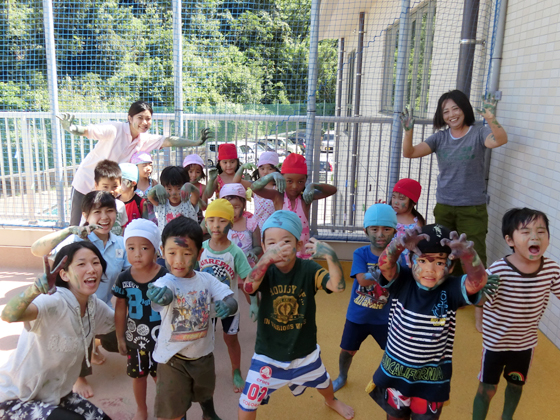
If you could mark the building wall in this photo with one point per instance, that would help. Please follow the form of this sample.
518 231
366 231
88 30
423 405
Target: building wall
525 171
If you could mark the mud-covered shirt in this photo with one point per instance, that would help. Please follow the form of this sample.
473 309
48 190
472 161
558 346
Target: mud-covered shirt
286 328
142 322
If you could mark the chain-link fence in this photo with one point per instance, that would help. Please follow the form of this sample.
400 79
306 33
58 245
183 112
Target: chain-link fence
243 69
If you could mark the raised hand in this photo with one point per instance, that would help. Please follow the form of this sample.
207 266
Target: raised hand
411 238
205 134
212 174
159 295
67 123
407 119
459 245
161 194
45 282
222 309
280 182
186 191
309 193
488 109
318 249
249 166
279 253
83 231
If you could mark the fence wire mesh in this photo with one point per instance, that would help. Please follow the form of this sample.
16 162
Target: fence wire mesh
244 74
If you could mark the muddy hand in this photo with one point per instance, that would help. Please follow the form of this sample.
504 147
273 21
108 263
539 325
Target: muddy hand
407 119
460 246
411 238
46 282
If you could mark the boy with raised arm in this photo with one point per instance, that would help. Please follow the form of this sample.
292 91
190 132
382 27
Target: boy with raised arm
413 380
286 350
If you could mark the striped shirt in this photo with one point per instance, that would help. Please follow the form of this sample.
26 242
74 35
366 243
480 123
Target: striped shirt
512 315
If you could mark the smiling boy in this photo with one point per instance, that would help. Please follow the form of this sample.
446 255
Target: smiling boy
512 315
415 372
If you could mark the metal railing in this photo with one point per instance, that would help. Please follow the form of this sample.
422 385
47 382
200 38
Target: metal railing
28 191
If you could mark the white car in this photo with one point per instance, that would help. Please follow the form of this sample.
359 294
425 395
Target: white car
328 142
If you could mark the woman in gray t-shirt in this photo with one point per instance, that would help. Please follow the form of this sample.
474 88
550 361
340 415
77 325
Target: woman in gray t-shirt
460 148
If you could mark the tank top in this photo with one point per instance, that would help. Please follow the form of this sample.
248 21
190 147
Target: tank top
298 209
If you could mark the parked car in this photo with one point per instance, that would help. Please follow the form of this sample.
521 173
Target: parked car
297 142
269 145
328 142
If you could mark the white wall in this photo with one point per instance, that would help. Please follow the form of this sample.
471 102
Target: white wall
525 172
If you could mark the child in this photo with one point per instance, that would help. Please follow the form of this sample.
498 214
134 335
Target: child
290 190
415 372
107 177
368 310
61 315
184 347
136 322
512 315
226 261
268 163
100 212
194 168
406 194
133 203
144 162
228 164
286 350
174 197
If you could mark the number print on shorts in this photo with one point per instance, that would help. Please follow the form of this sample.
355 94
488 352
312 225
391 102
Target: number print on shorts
256 392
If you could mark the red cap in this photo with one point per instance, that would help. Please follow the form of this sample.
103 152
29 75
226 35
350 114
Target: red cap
227 151
408 187
294 164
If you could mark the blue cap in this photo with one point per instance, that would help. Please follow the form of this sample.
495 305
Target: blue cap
380 215
129 171
286 220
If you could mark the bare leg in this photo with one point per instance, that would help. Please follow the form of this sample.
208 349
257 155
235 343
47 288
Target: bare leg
97 358
234 350
139 386
246 415
344 362
208 411
83 388
344 410
512 396
484 395
478 318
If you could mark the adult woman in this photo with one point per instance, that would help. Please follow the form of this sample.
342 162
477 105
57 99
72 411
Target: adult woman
37 380
118 141
460 149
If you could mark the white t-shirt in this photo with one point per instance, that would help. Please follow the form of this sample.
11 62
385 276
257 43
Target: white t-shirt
186 326
50 350
166 213
116 144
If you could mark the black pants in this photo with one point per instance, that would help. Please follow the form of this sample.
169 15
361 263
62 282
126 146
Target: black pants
109 343
76 209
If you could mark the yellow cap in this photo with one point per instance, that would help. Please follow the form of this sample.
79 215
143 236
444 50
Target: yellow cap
220 208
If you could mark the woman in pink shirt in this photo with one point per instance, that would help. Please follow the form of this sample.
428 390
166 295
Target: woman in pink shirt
118 141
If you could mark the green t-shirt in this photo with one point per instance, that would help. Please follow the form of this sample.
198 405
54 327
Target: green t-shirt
286 328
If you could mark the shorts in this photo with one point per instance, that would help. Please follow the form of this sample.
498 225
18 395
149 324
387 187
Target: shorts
139 363
266 375
397 405
514 364
355 334
230 324
181 382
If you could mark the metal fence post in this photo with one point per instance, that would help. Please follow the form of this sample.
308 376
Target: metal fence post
312 74
400 83
468 45
178 73
48 22
29 171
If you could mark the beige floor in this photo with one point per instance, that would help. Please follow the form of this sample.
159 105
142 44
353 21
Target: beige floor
114 389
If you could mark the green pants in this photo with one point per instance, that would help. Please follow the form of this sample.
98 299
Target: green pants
471 220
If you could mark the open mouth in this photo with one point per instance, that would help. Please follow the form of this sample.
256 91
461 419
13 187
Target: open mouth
534 250
104 225
90 281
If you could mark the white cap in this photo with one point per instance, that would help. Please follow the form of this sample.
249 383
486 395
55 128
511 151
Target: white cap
142 228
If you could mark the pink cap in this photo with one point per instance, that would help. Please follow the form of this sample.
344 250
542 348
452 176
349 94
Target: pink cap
141 157
268 158
233 189
193 159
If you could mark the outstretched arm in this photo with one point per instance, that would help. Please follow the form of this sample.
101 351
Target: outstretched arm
159 295
471 262
488 112
275 253
320 249
174 141
46 244
67 123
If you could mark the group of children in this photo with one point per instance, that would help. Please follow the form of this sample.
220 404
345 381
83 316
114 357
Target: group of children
170 284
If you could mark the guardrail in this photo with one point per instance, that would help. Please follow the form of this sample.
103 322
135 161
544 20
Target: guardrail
28 191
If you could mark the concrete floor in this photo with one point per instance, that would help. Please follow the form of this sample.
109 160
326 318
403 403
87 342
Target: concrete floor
113 389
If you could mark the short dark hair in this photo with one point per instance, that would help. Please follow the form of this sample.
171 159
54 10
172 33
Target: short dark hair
106 169
188 168
517 218
220 170
70 250
184 227
138 107
97 199
462 102
173 176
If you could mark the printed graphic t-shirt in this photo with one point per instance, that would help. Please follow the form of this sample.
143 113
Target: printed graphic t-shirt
185 323
142 321
417 359
371 304
228 265
165 213
286 328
